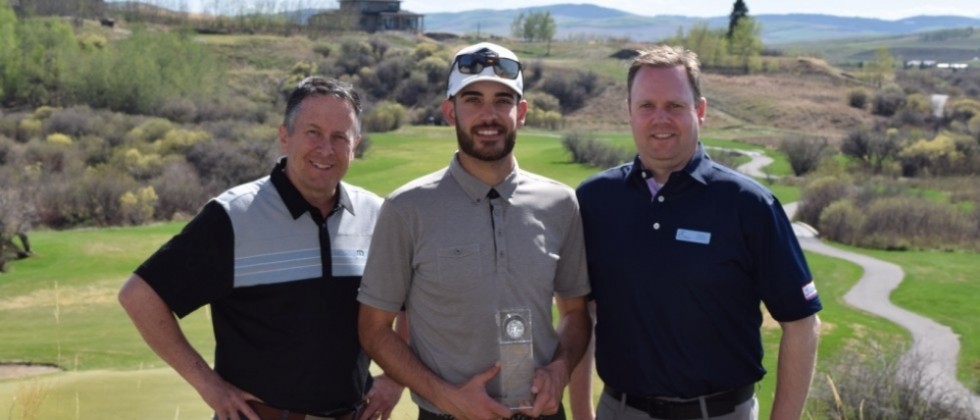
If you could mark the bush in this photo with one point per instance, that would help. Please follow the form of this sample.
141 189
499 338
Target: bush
817 195
572 91
804 154
75 122
137 207
362 147
857 98
841 222
178 189
888 101
594 152
59 139
875 383
540 118
222 164
386 116
903 222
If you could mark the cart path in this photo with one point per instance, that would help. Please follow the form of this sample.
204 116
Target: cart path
934 345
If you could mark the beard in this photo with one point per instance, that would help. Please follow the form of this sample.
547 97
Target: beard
468 146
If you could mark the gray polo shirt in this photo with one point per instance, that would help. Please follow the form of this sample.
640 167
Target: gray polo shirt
453 258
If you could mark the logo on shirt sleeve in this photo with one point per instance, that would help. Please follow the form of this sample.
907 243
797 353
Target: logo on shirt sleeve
809 291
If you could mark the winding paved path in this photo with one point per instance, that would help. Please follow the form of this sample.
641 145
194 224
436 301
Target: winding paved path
933 344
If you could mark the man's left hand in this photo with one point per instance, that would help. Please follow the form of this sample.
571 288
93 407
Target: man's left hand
381 399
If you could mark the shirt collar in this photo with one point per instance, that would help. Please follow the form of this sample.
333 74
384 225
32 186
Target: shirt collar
697 168
295 202
476 189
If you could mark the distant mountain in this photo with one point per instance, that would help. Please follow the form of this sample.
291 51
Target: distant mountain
587 20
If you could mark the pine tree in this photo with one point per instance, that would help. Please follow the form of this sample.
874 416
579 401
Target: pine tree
739 10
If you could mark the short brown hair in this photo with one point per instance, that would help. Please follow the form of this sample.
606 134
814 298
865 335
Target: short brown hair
317 85
667 56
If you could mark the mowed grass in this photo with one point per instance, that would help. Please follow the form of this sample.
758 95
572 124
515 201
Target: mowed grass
59 306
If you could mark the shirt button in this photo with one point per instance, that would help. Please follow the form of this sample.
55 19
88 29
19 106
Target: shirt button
660 199
656 226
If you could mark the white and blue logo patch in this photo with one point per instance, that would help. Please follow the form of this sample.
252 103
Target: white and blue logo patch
809 290
693 236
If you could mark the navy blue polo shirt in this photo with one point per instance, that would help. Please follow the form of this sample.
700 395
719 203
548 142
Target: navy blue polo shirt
679 278
281 280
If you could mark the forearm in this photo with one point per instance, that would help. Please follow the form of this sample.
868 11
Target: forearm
574 333
390 350
797 358
580 388
158 327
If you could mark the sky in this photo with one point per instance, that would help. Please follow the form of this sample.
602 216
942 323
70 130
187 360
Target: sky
881 9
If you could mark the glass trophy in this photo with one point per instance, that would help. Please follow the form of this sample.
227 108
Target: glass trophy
516 358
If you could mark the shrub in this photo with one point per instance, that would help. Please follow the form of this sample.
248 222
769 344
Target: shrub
75 122
363 146
58 138
323 49
888 101
804 154
841 221
179 109
817 195
857 98
152 129
434 68
222 163
572 91
386 116
875 383
178 189
901 222
413 90
595 152
540 118
137 207
179 140
28 128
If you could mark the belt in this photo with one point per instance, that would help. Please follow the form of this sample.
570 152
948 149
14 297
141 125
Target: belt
268 412
661 408
428 415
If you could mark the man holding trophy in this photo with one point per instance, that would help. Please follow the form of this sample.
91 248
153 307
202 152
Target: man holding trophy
475 253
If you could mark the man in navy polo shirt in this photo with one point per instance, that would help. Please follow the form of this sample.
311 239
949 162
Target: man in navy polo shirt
682 252
279 260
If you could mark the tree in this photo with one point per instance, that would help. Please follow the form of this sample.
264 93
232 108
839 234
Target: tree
739 11
9 45
546 29
883 66
536 26
746 42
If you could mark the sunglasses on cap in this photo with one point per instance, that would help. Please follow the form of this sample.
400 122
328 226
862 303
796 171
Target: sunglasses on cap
474 63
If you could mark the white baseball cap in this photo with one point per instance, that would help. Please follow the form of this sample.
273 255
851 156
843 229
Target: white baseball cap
485 61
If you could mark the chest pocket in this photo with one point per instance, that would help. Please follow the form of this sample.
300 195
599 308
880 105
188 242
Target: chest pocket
460 266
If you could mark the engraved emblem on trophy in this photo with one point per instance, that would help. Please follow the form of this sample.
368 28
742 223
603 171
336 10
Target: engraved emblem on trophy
516 358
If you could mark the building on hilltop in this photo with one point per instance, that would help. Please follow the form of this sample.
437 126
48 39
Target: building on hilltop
370 16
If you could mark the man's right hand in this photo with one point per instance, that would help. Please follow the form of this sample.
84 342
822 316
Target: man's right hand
470 400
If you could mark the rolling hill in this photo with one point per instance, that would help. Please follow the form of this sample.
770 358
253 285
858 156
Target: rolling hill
586 21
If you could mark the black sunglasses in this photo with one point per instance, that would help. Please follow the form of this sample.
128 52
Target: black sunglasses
475 63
